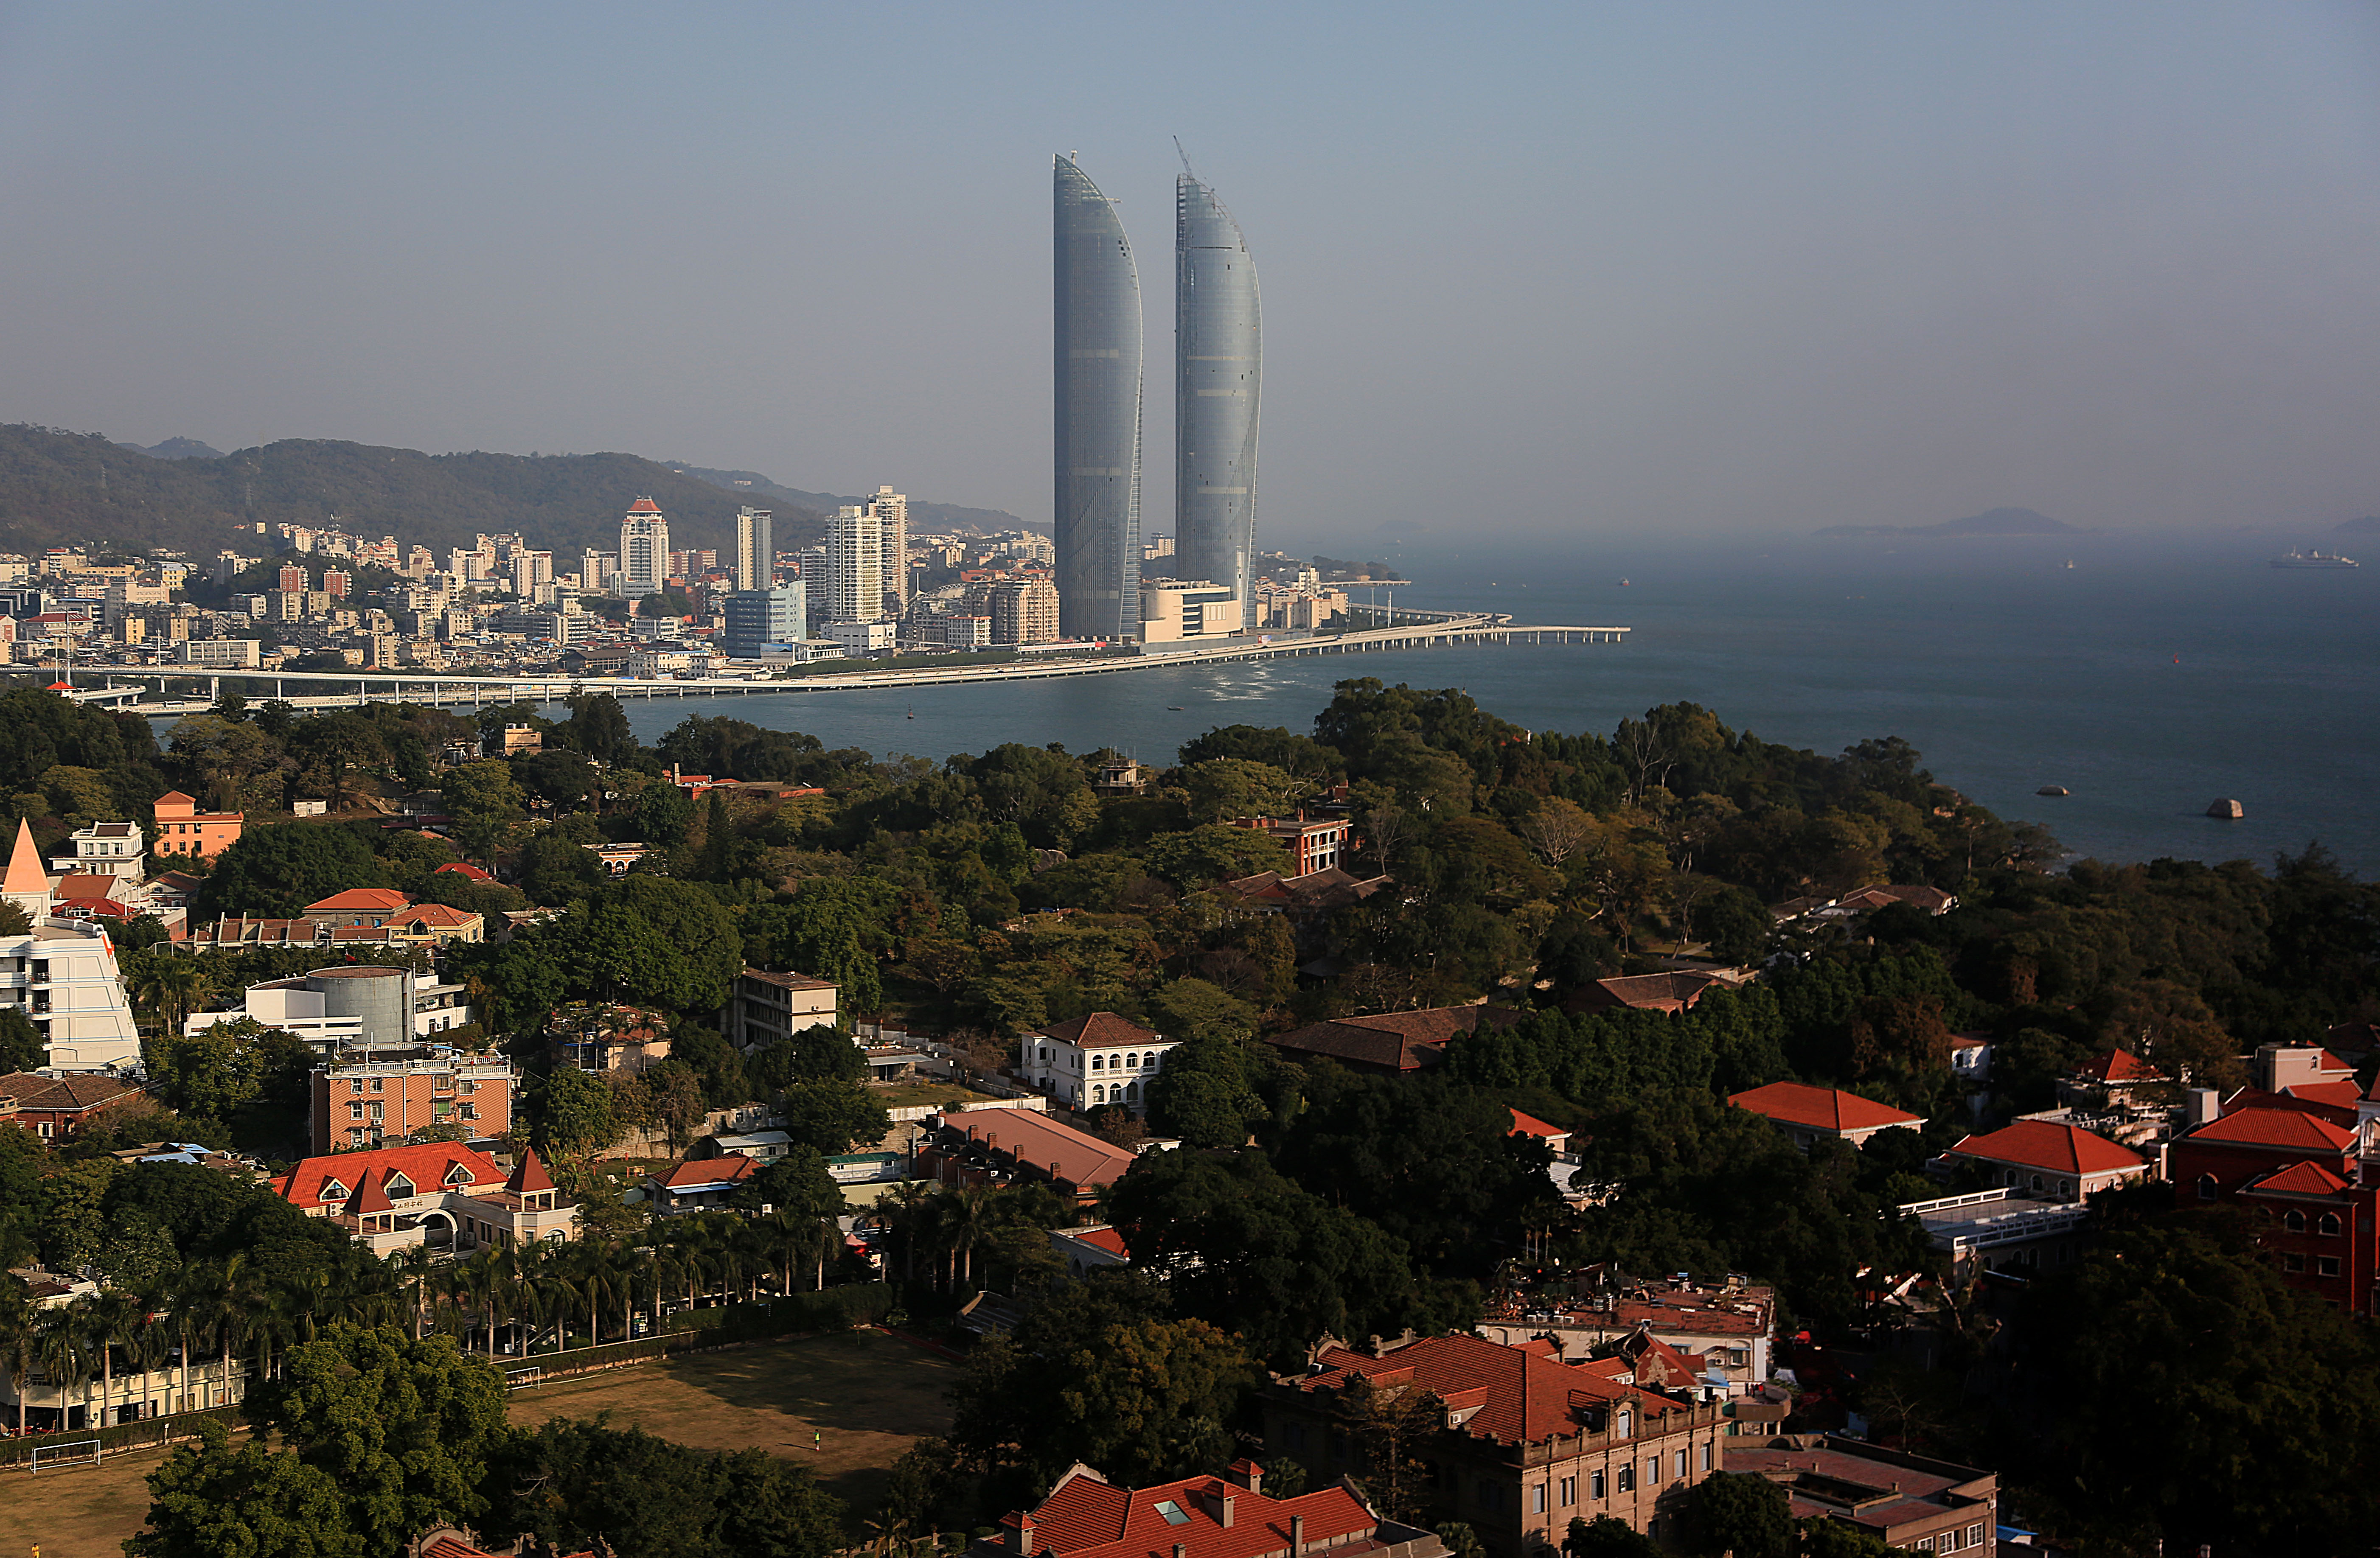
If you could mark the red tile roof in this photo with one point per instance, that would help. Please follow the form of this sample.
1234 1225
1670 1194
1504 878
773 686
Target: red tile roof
2299 1180
428 1166
1102 1030
529 1175
1081 1160
1820 1108
1404 1041
1105 1238
2118 1066
2274 1127
644 506
1521 1394
464 869
2044 1144
2344 1095
433 916
1086 1517
1674 991
72 1093
728 1168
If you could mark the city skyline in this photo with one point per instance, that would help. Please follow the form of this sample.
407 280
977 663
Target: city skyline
1707 267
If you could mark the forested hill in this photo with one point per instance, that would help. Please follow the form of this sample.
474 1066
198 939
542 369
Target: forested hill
58 488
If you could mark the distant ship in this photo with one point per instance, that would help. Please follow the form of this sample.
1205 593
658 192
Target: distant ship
2315 560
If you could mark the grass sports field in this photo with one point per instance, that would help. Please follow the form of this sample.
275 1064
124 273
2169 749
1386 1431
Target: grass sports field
863 1393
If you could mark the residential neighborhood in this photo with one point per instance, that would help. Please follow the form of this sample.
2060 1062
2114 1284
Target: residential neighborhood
1237 1157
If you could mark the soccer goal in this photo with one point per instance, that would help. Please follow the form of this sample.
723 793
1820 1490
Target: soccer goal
524 1379
79 1452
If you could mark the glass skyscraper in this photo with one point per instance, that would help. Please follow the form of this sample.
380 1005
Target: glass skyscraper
1219 368
1097 356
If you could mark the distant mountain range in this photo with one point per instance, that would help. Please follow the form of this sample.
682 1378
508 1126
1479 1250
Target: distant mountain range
1997 522
58 489
2368 525
922 515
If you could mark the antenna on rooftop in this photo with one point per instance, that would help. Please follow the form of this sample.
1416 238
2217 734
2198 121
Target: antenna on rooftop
1186 160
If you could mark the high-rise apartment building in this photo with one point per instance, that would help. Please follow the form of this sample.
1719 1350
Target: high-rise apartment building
1219 368
1096 355
1024 611
644 549
756 549
854 565
891 510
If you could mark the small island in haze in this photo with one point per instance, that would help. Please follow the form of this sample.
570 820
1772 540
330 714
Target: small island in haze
1998 522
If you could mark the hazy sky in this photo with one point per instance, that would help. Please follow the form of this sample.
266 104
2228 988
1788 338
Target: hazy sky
1589 269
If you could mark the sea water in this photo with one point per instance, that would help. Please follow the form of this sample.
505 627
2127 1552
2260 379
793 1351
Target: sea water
2149 678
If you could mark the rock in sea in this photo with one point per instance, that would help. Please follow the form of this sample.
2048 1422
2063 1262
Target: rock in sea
2227 809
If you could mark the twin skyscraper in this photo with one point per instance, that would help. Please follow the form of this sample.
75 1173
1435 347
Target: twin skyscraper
1217 371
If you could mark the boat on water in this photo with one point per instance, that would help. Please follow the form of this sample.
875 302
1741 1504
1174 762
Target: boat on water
2053 789
2316 559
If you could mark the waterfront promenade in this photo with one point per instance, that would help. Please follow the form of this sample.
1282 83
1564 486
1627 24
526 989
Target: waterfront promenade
132 689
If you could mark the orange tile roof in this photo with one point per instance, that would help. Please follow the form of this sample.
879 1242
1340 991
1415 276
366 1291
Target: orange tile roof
2044 1144
1523 1394
529 1175
433 916
1086 1517
1529 1125
2343 1093
357 900
1104 1239
728 1168
1820 1108
1405 1040
2274 1127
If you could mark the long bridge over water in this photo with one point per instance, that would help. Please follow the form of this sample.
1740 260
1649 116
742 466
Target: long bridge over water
127 688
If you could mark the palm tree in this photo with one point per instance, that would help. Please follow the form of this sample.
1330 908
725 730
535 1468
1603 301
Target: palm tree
966 1222
20 1335
172 987
411 1269
64 1355
200 1306
633 1269
110 1319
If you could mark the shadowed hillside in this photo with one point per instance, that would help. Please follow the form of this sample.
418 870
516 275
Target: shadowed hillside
59 488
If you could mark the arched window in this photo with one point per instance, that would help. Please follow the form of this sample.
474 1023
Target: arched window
1132 1092
2293 1220
2036 1181
1620 1421
1099 1093
2327 1225
2206 1187
1099 1062
1133 1062
2066 1186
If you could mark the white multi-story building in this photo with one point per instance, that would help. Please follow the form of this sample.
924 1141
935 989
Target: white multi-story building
63 973
756 549
644 549
1093 1061
104 849
854 565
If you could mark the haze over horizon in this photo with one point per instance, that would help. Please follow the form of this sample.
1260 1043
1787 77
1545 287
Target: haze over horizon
1676 268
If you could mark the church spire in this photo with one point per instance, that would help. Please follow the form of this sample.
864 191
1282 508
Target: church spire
27 885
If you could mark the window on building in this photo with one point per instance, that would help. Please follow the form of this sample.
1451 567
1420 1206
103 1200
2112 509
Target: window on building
356 1111
1620 1422
1174 1513
2327 1225
1681 1463
1595 1485
1627 1479
2293 1220
2206 1187
1707 1455
380 1084
1537 1498
1652 1469
1569 1491
1974 1536
2292 1261
2326 1265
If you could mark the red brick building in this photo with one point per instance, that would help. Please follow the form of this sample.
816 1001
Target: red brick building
1529 1443
58 1108
2295 1174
